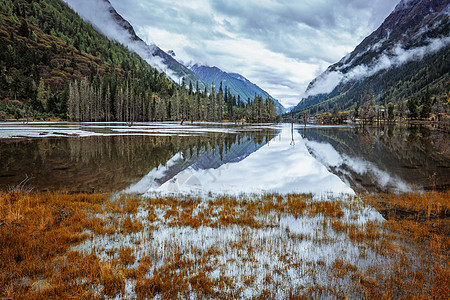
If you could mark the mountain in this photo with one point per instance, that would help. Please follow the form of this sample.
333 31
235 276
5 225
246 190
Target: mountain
103 16
407 54
53 64
238 84
289 109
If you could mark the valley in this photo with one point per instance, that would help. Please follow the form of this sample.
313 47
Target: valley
224 150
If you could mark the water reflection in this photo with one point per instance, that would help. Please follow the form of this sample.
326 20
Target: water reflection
229 159
200 159
111 163
276 167
385 158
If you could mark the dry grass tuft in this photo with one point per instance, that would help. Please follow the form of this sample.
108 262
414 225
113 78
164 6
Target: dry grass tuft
267 246
126 256
131 225
113 282
36 231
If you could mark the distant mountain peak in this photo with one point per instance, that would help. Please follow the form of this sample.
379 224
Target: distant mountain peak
238 84
121 21
415 30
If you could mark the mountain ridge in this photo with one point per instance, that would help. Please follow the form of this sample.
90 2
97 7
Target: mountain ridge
237 83
154 55
413 38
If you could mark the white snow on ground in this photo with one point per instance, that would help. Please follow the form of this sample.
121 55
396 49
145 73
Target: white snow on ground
175 130
43 129
283 166
67 129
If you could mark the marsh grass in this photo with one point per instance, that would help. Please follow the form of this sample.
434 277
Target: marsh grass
36 233
250 246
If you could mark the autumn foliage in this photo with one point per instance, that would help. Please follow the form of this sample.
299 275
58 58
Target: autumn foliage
91 246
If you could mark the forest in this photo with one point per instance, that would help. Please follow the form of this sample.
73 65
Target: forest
54 65
423 108
417 89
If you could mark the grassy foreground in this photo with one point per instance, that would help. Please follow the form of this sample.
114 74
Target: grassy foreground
88 246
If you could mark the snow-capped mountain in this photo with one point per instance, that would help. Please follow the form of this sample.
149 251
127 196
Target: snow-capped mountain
238 84
102 15
416 35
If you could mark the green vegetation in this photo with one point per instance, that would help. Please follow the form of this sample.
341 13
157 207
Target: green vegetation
53 64
373 109
415 89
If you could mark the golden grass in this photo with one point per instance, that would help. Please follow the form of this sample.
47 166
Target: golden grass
422 218
36 232
49 249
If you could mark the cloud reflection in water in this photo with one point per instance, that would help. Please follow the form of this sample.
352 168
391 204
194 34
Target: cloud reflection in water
278 167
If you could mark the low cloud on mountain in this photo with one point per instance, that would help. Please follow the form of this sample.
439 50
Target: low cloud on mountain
97 13
329 80
281 46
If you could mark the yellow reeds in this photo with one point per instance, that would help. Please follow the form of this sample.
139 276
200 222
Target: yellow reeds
251 243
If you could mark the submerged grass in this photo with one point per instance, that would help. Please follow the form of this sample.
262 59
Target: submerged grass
92 246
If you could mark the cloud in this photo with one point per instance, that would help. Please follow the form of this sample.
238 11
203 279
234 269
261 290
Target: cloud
97 13
325 83
295 40
330 79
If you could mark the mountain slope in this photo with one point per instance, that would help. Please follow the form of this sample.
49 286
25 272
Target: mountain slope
238 84
108 21
407 53
102 15
55 65
45 46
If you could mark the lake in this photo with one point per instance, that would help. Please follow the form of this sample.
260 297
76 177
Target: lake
222 158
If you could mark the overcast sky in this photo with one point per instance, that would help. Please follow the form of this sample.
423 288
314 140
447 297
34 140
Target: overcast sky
280 45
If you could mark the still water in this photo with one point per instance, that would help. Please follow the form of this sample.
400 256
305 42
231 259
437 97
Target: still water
207 157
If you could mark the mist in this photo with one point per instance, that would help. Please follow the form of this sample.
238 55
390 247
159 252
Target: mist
329 80
99 14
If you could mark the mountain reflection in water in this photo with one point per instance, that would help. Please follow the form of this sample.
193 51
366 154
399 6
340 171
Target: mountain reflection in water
381 159
280 166
106 163
219 158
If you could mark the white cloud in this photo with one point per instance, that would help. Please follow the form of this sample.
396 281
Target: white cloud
329 80
325 83
97 13
279 45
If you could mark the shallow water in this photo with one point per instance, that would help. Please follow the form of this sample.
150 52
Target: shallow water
111 157
283 165
386 158
208 157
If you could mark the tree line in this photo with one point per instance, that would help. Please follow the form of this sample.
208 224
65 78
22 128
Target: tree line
372 108
111 99
397 85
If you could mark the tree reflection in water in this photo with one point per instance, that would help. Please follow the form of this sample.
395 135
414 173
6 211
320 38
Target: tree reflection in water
418 155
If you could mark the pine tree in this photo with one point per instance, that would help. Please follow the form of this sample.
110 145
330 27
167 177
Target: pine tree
220 103
42 95
412 107
426 105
